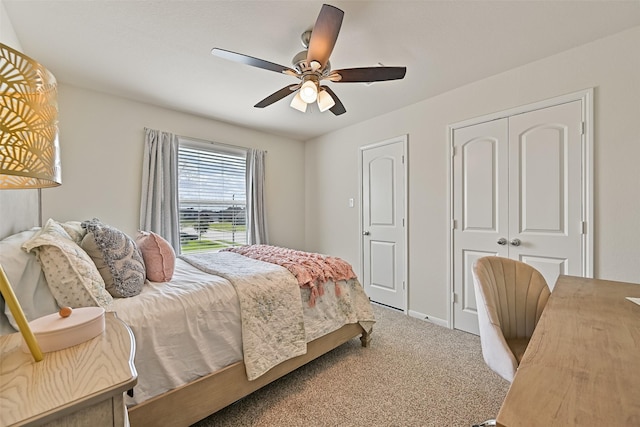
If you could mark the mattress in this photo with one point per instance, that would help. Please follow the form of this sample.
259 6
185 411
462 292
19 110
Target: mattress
190 327
184 329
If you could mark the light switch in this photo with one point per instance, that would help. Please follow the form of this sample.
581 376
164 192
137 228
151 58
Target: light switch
351 202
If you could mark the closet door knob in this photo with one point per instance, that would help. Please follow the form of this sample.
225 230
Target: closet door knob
502 241
515 242
365 233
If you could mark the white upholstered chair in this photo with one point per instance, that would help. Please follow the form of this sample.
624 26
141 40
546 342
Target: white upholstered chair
510 296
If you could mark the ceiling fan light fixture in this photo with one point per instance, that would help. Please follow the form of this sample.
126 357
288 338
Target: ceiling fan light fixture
312 66
325 101
298 103
315 66
309 91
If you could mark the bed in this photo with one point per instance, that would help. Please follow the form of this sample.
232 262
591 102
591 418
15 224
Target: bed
184 377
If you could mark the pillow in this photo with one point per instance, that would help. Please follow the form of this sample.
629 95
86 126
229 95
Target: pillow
74 230
71 275
117 257
26 278
159 257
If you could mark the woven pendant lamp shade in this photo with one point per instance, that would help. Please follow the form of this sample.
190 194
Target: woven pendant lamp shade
29 148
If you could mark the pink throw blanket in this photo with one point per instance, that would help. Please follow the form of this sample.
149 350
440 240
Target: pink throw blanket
310 269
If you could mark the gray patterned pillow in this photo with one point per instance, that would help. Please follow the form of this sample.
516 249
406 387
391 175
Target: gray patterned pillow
117 257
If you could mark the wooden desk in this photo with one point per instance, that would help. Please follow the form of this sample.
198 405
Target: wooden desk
582 365
81 385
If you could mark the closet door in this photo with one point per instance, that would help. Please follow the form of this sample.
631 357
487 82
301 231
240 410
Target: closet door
517 193
545 202
480 208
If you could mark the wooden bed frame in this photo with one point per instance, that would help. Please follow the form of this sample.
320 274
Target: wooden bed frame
192 402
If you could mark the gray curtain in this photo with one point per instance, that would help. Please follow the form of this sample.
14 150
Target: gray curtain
159 200
256 213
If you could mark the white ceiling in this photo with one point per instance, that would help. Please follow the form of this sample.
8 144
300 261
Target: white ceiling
158 52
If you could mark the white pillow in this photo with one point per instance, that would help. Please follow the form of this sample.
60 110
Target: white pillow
26 278
71 275
74 230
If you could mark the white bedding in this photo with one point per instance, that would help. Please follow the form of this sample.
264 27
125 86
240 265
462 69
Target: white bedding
184 329
191 327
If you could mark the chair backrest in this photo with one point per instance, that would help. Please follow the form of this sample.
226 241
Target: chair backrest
510 296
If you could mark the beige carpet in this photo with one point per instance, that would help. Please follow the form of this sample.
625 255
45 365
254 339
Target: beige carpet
414 374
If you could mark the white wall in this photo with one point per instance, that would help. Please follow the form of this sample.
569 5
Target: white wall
101 139
611 65
7 33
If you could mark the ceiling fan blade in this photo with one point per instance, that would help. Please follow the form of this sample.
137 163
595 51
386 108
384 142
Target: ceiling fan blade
324 34
367 74
338 108
254 62
277 96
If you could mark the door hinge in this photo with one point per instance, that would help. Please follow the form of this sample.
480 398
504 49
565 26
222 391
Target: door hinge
403 222
454 297
583 227
453 224
403 159
582 128
404 286
453 151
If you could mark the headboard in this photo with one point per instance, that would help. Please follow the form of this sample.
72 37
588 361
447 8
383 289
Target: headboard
19 210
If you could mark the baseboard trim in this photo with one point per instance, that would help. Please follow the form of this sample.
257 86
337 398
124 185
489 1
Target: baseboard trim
427 318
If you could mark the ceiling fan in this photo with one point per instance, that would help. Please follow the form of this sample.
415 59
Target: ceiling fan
312 66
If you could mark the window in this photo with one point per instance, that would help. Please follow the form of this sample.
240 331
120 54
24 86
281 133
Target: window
211 196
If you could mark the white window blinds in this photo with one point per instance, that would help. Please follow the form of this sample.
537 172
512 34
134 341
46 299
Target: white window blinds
211 196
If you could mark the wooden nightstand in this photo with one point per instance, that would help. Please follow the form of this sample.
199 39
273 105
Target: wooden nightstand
81 385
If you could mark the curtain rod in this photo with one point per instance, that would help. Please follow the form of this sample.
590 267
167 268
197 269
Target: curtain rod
236 147
222 144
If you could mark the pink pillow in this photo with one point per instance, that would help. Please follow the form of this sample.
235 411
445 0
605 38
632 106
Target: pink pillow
159 257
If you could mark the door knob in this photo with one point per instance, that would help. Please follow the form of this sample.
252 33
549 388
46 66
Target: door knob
502 241
365 233
515 242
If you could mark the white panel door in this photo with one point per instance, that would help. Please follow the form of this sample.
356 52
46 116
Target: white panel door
383 224
517 193
545 186
480 208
